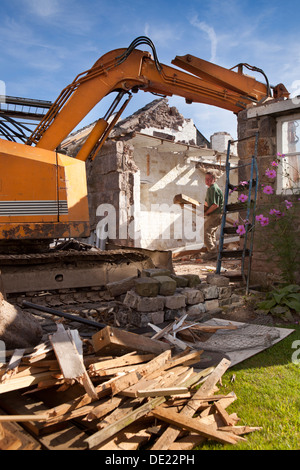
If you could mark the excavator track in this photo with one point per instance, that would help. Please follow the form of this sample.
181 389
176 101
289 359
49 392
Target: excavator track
69 269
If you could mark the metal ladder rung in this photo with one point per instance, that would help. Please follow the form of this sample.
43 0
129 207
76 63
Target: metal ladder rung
249 207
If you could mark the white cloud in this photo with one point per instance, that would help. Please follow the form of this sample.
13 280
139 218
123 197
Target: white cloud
44 8
209 30
163 35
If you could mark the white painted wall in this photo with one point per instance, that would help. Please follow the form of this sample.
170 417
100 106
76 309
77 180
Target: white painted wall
164 225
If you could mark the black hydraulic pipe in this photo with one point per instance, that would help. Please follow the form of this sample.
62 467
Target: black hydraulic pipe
65 315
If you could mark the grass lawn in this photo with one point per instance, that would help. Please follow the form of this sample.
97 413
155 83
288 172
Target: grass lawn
267 387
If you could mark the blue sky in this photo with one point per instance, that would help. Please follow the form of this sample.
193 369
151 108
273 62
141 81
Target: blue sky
46 43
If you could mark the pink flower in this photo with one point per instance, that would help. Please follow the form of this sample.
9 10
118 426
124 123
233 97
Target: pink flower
243 197
241 230
276 212
264 221
243 183
275 164
268 190
270 173
281 155
288 204
259 217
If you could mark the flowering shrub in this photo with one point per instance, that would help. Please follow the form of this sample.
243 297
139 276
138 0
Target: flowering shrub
282 240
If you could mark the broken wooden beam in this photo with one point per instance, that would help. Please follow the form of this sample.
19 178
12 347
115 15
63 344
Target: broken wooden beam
115 341
70 361
171 433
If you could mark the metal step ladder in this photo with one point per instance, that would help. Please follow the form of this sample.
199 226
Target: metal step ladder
251 188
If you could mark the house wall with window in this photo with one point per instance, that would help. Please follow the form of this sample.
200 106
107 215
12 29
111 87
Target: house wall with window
277 123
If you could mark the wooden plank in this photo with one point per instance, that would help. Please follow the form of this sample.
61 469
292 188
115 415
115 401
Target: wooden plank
13 437
22 418
99 368
109 431
171 433
119 383
127 419
113 340
228 421
23 382
13 365
130 438
162 392
70 359
240 430
184 199
104 408
175 341
185 422
142 370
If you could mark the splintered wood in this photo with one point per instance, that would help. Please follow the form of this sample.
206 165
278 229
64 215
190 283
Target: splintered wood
119 391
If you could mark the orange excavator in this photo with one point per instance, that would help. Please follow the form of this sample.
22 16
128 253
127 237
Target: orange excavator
43 193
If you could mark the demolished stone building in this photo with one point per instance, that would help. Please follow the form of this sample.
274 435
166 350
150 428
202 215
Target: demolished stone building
150 157
278 148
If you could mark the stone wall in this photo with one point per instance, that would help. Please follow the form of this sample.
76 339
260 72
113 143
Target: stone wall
159 296
111 182
265 268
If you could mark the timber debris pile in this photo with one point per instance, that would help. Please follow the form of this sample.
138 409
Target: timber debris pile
117 390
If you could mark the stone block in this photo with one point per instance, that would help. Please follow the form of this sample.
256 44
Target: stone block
157 317
225 292
143 304
151 272
146 286
121 287
167 285
193 279
141 319
181 281
196 309
230 300
193 296
209 291
175 301
211 304
217 280
171 315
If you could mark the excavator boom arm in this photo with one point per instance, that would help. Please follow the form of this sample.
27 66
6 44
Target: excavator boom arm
119 70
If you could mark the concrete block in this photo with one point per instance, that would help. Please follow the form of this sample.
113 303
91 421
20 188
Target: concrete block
146 286
181 281
193 279
167 285
193 296
175 301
